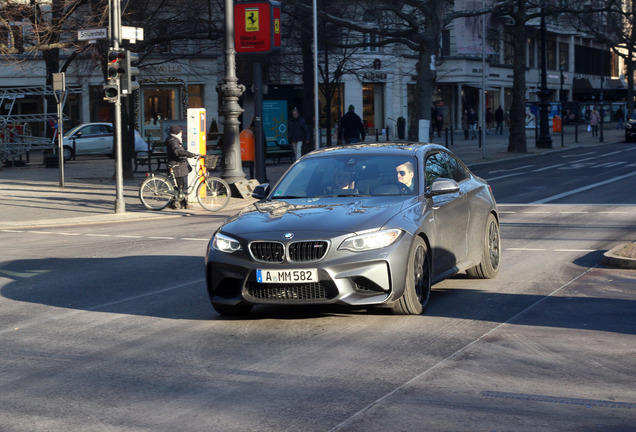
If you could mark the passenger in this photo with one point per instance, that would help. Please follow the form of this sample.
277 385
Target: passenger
344 180
405 175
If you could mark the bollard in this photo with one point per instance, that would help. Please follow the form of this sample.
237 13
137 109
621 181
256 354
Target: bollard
479 132
576 133
446 137
377 135
387 132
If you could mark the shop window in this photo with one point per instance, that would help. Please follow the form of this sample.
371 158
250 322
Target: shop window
196 96
564 56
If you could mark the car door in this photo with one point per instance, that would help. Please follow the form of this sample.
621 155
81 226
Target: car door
94 139
450 214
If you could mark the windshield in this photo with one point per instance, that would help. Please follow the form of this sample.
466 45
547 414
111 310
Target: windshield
337 175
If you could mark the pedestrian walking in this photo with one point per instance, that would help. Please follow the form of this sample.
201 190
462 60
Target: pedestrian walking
351 127
490 118
620 118
595 118
465 123
499 119
472 123
297 133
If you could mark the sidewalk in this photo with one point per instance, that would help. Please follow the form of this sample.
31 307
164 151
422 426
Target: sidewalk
31 196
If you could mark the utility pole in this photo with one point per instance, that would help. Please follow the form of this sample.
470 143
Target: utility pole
120 204
544 141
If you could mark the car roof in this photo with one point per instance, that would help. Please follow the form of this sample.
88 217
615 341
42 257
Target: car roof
401 148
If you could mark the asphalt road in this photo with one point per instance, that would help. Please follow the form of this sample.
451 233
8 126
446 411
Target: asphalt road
108 328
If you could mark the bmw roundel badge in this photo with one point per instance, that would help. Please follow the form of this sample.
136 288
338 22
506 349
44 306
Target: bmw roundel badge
289 236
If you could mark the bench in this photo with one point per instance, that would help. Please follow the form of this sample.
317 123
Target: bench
157 155
276 152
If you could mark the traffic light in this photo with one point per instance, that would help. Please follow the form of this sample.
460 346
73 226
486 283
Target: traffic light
110 93
115 66
127 83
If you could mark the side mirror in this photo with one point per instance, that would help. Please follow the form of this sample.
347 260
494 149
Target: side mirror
78 134
261 191
443 186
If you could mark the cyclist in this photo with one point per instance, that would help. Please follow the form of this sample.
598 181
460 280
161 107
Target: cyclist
177 155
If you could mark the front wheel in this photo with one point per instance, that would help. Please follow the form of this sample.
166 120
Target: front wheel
213 194
156 193
491 252
418 281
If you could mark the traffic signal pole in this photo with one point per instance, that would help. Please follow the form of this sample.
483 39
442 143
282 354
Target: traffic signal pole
120 205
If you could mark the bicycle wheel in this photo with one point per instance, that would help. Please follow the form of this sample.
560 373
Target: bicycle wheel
213 194
156 193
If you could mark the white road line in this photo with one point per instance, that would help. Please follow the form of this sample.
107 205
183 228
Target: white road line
583 160
612 212
547 168
538 212
163 238
525 249
13 231
68 234
40 232
504 176
509 170
575 250
573 212
583 189
195 239
97 235
348 421
128 236
579 155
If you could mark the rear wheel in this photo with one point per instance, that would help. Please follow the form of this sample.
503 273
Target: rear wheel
156 193
491 253
418 281
213 194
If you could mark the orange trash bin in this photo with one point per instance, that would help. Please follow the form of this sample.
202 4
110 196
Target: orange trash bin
556 124
247 145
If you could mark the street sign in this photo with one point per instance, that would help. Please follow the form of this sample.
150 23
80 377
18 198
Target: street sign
92 34
132 33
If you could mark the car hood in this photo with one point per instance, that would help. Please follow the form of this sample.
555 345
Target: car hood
316 214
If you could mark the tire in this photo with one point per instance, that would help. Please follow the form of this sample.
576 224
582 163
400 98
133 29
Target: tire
156 193
67 151
213 194
417 291
491 252
232 310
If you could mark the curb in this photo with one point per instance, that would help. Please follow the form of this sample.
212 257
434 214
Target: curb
610 258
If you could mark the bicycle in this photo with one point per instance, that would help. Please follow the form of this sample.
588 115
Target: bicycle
213 193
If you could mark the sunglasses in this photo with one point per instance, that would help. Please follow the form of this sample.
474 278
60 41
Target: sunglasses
402 173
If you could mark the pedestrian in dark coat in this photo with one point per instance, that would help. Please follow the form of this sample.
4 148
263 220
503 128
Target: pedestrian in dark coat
499 118
297 133
177 160
351 127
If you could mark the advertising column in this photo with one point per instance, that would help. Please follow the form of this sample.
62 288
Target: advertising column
195 140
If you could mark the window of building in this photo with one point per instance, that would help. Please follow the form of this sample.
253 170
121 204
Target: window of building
532 49
564 56
508 48
370 18
551 54
196 96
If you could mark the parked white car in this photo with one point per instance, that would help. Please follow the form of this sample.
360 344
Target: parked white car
89 139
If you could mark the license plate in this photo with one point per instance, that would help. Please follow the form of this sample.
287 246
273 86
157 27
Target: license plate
287 276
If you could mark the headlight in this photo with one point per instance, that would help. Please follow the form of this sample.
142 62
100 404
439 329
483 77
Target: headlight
224 243
369 241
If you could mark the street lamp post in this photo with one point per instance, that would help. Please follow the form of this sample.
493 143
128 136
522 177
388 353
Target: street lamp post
230 110
561 99
601 109
544 141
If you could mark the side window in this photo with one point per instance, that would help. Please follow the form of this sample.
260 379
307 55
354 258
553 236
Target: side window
435 168
458 173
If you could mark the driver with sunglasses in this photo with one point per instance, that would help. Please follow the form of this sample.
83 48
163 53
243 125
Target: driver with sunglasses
405 174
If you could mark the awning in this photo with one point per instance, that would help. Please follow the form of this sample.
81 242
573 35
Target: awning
582 84
614 84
